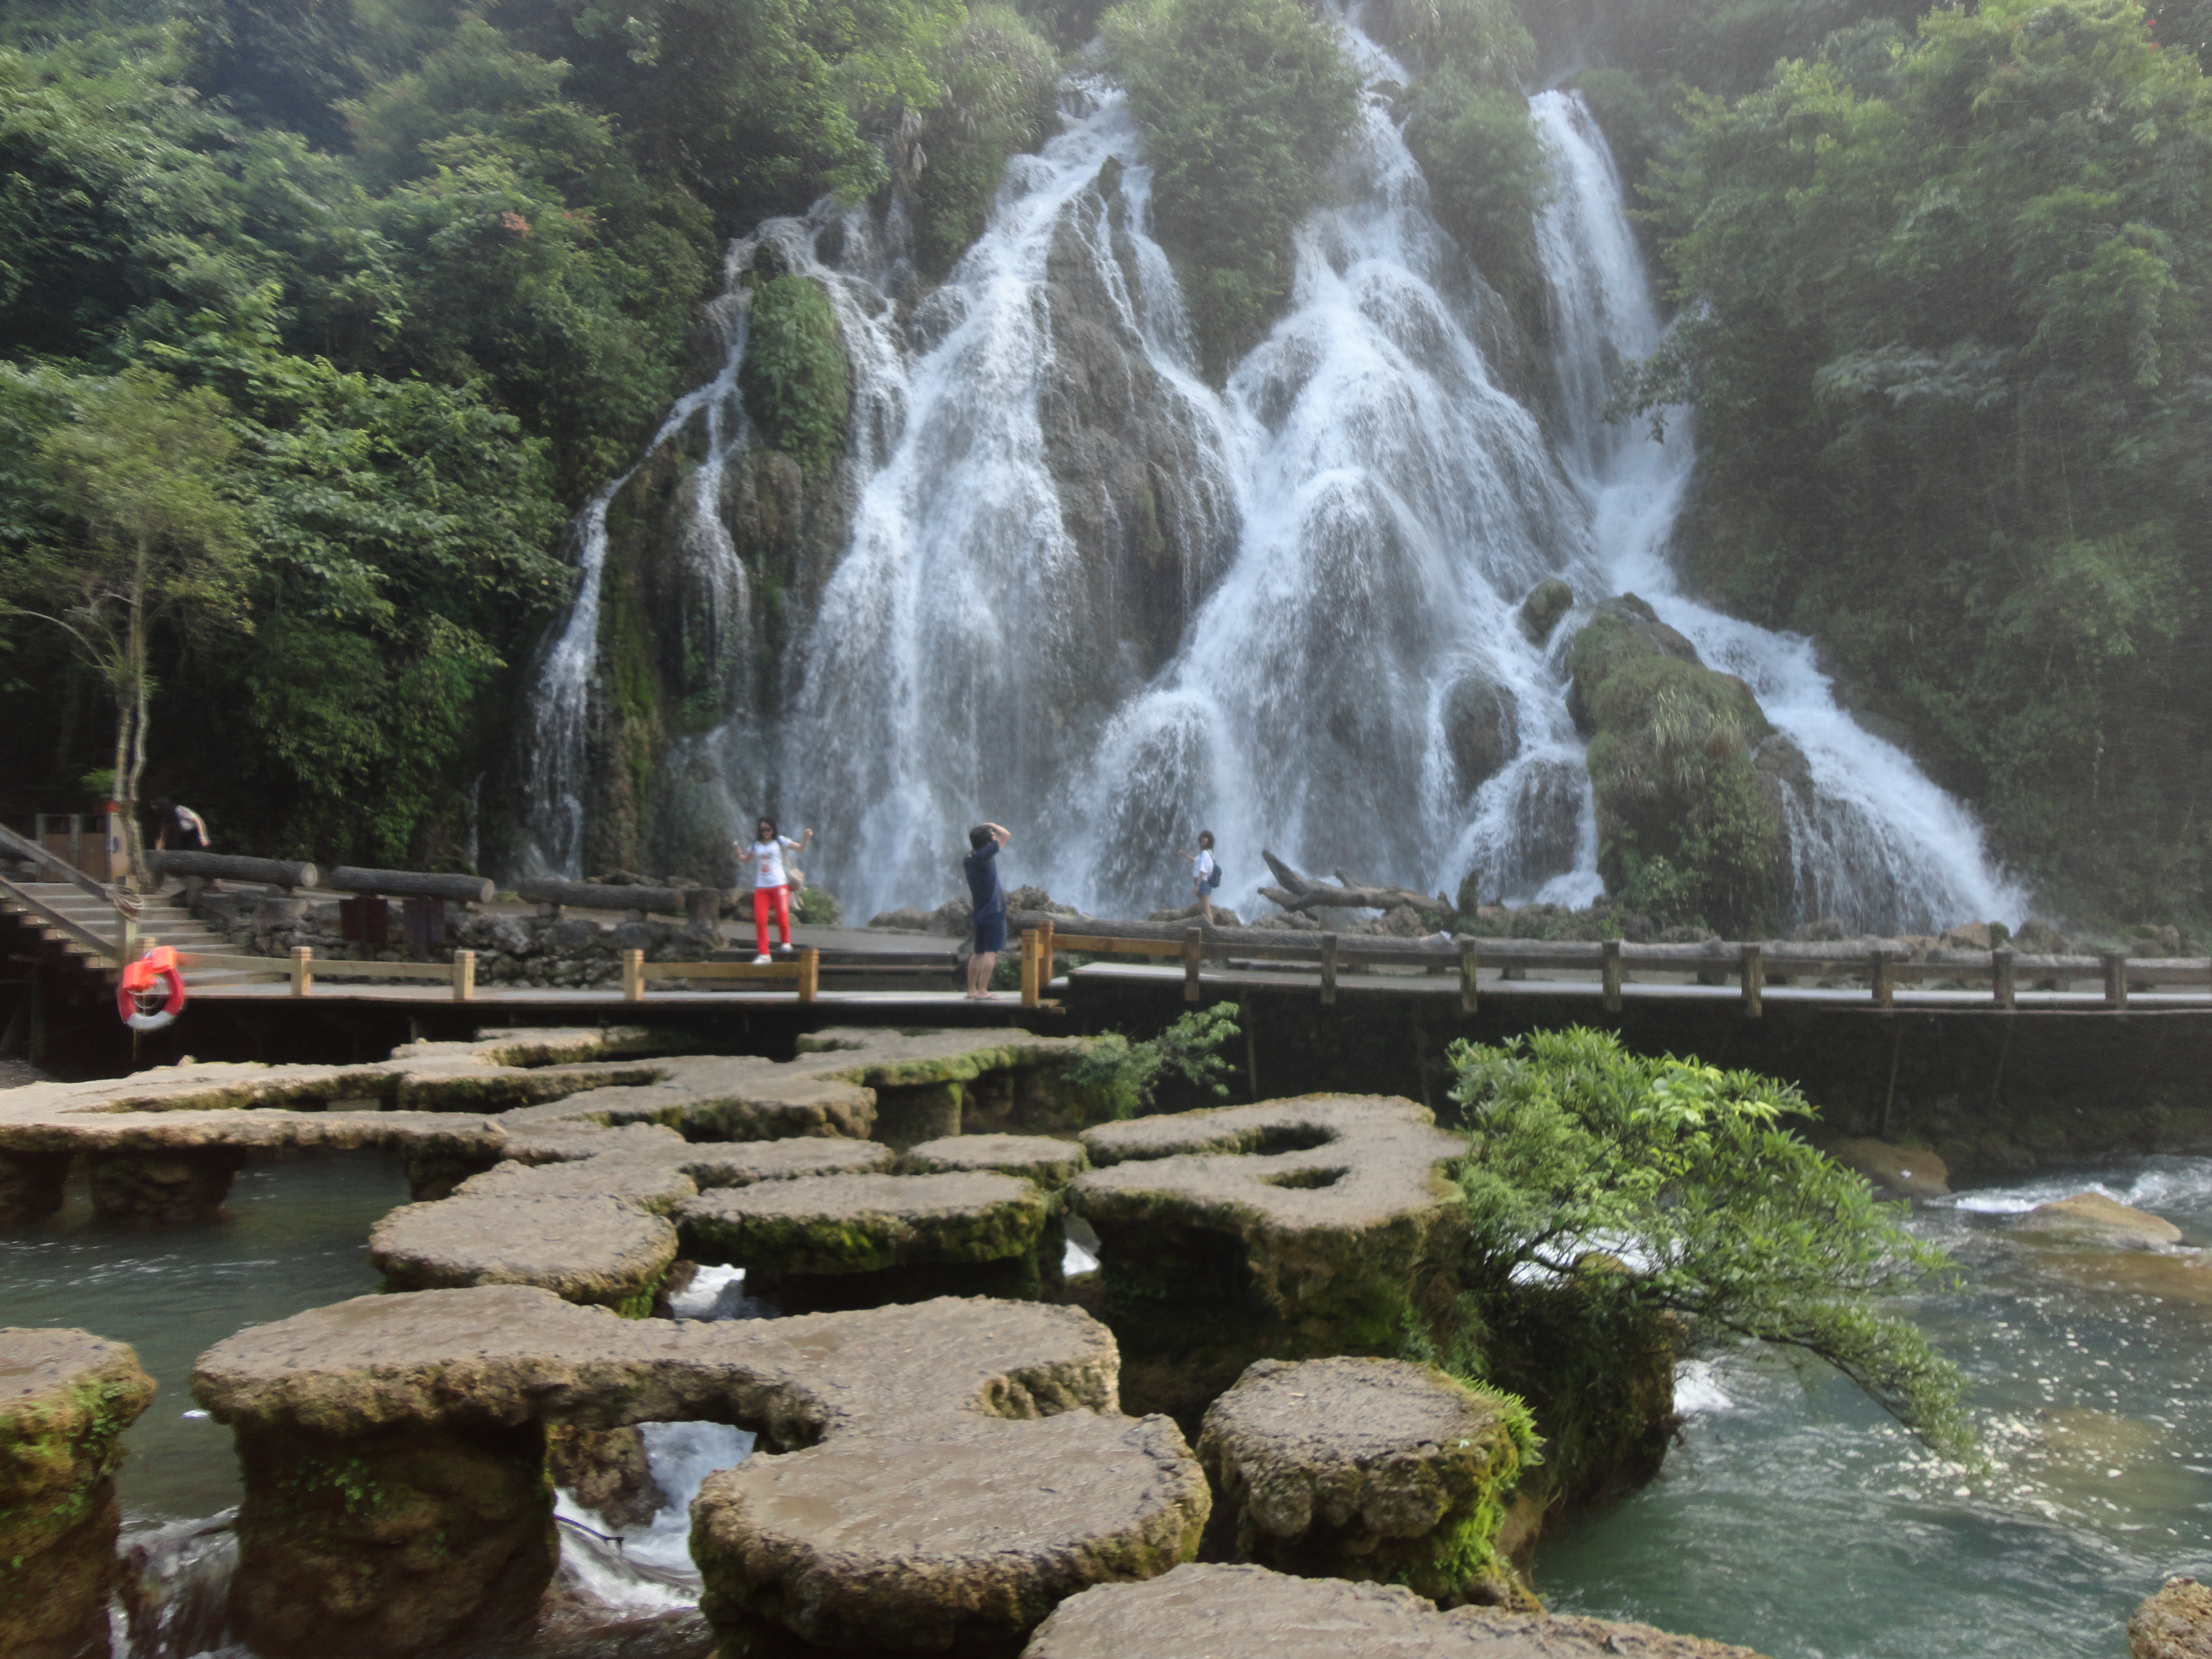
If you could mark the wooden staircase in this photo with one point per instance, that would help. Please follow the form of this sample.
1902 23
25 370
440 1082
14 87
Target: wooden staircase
160 922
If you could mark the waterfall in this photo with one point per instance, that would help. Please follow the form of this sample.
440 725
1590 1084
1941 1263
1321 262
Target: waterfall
1319 650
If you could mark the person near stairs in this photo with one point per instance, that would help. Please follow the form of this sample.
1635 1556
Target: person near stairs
179 827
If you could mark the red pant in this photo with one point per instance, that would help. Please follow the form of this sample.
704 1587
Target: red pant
766 899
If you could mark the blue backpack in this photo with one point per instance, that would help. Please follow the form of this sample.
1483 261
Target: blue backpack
1213 878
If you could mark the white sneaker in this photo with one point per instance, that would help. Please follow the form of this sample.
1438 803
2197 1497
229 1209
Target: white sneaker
763 961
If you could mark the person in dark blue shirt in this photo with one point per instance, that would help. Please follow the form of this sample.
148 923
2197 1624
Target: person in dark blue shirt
988 900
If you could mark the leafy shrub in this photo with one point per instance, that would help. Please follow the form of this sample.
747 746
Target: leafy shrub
1643 1188
1001 97
1487 176
1482 40
817 907
1242 103
1122 1076
796 384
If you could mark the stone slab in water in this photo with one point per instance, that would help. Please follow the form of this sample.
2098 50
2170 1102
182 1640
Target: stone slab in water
1045 1159
582 1246
866 1223
644 1182
741 1164
1377 1470
2094 1219
1249 1613
972 1532
66 1397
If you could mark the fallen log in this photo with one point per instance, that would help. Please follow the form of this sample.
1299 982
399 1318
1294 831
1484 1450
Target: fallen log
228 866
602 895
1297 893
408 883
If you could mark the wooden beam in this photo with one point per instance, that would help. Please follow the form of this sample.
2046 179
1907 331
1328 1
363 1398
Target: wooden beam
1194 958
1885 995
303 970
810 973
2001 980
1751 963
599 895
464 975
1468 969
1609 972
225 866
1328 967
2115 964
1029 966
408 883
633 975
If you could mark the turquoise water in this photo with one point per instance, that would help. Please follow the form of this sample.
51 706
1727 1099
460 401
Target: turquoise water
1796 1519
297 1238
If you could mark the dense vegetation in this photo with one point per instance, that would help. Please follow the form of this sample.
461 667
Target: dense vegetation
1620 1206
408 282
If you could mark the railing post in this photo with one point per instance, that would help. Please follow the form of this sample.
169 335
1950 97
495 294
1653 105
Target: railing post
1194 953
1028 968
2116 978
1328 967
1609 972
1467 972
126 938
465 977
2001 964
303 969
633 975
1044 957
1885 995
810 973
1753 962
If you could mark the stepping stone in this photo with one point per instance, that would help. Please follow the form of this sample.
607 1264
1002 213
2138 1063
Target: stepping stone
1050 1163
966 1531
65 1399
584 1247
648 1185
741 1162
1370 1469
1249 1613
864 1223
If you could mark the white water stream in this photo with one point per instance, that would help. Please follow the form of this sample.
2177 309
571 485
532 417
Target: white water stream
1380 503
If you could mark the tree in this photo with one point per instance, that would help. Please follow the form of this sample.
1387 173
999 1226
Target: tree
143 470
1668 1187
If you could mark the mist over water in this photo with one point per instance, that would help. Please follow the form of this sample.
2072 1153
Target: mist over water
1357 518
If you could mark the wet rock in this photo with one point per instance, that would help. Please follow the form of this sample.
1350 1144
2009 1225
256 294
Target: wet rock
1482 730
1249 1613
65 1399
1548 601
864 1223
2094 1219
584 1247
1375 1470
2174 1624
1914 1174
1821 930
606 1471
32 1185
183 1183
1044 1159
1976 936
907 920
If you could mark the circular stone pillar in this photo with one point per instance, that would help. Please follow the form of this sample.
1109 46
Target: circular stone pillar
1373 1470
65 1399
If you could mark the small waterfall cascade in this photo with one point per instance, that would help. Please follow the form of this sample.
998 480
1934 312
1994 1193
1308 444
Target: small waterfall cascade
1879 845
1322 653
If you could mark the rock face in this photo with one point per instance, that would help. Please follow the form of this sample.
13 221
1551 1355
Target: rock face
346 1414
1248 1612
1282 1230
1914 1174
2174 1624
1370 1469
65 1399
2093 1219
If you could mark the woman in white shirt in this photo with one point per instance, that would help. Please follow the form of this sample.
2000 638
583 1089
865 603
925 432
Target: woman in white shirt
1201 874
772 883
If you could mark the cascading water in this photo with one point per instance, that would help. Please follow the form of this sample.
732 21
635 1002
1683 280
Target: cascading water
1350 526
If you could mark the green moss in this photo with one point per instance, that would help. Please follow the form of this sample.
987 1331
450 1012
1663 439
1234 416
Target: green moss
797 388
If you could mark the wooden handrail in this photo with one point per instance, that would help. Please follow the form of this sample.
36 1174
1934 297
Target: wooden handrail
109 951
27 849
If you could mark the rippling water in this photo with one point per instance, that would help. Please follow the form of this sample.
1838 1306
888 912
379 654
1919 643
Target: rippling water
1793 1518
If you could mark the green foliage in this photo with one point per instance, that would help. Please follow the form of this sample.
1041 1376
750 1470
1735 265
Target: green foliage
1482 40
817 907
1487 176
1000 82
1604 1189
1123 1076
797 386
1242 102
1953 381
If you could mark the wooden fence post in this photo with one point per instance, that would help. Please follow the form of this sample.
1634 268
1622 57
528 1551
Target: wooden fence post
1467 972
465 977
2116 978
1194 953
303 970
810 973
1328 967
633 975
1884 992
1609 972
1044 957
2001 962
1753 962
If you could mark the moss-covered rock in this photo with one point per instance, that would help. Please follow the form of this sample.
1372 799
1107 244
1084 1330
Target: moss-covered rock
2174 1624
1049 1161
866 1223
65 1399
584 1247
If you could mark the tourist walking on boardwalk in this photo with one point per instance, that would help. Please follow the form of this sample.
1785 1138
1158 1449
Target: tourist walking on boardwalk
772 883
1205 874
988 900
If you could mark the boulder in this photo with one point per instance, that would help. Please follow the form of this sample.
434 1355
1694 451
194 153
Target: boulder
1376 1470
1482 730
1227 1612
65 1399
864 1223
1914 1174
2094 1219
2174 1624
1548 601
909 921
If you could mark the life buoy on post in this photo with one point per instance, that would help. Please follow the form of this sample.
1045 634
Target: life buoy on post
153 979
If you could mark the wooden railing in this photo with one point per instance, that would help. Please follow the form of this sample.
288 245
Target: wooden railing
304 968
1750 965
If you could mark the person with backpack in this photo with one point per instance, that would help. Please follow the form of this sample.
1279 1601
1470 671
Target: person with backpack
1205 874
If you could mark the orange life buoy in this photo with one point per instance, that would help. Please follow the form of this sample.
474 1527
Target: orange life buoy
154 975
